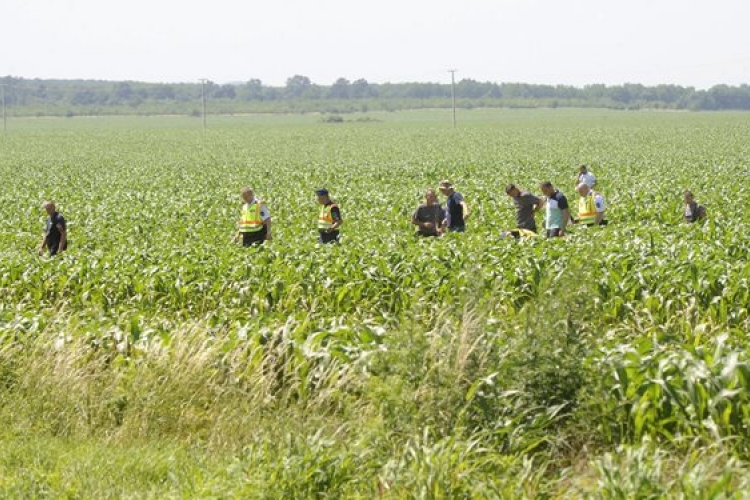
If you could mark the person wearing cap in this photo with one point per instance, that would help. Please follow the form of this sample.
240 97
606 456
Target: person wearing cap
55 236
527 205
457 211
557 211
586 177
255 220
590 206
693 210
430 216
329 219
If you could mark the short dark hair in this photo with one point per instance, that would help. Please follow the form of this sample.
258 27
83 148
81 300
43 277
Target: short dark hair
509 188
546 184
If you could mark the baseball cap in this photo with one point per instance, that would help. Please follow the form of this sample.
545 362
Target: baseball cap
446 184
321 192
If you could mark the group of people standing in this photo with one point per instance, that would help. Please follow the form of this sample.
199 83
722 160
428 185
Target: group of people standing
255 219
431 218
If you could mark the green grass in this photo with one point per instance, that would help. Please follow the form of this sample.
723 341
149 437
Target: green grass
158 359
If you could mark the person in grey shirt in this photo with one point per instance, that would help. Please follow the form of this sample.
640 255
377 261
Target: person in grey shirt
527 205
430 216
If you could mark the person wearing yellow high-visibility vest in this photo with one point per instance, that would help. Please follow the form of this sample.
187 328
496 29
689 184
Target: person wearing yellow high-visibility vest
329 218
255 221
590 206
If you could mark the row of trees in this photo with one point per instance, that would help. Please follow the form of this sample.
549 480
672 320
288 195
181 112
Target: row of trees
81 94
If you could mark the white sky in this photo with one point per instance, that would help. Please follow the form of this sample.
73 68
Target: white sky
687 42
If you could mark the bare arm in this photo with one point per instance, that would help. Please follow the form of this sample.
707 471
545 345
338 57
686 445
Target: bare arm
565 219
466 210
63 238
539 204
44 242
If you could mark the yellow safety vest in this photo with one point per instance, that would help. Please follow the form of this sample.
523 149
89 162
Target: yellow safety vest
587 209
325 218
250 221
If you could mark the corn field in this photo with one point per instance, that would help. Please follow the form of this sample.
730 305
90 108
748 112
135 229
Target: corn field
612 363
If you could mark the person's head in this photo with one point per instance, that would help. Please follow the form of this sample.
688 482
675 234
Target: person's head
247 194
512 190
583 169
49 207
687 196
323 196
547 188
583 189
430 196
446 187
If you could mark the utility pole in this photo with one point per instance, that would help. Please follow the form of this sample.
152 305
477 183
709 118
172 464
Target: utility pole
203 101
5 117
453 93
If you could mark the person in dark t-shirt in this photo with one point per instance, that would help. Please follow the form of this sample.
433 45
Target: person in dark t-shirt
527 205
457 211
55 236
430 216
694 211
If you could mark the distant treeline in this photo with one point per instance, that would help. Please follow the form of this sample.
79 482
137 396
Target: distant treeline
25 97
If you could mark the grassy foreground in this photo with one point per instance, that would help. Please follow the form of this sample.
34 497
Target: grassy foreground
156 360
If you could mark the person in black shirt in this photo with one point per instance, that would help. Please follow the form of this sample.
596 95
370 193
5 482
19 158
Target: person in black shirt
527 205
693 210
430 216
55 236
457 211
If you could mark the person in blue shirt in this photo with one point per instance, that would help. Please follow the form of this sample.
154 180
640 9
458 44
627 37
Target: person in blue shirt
457 211
55 236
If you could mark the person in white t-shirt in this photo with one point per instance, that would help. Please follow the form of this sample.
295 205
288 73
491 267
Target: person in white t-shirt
586 177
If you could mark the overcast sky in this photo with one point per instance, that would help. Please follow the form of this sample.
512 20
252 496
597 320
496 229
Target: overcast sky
687 42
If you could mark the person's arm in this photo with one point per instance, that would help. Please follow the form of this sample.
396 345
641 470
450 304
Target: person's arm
337 221
538 204
63 238
266 218
44 242
466 210
565 219
702 212
442 221
599 205
238 234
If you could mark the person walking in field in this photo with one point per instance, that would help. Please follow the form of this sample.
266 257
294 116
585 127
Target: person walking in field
586 177
557 212
527 205
430 216
255 220
693 210
55 236
591 206
329 218
457 211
